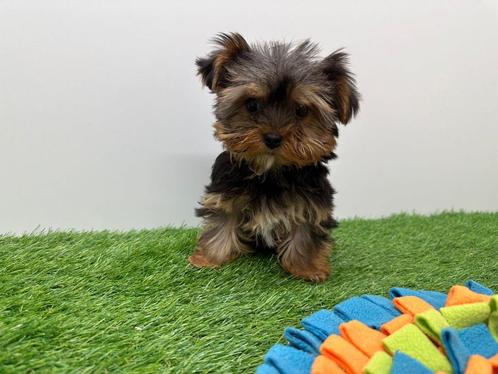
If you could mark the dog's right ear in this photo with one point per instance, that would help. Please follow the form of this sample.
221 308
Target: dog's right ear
212 68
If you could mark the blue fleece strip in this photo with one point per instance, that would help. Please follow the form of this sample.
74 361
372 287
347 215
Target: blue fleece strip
461 344
479 288
383 302
403 364
266 369
289 360
322 324
303 340
364 311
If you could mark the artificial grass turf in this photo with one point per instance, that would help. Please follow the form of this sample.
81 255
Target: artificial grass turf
106 301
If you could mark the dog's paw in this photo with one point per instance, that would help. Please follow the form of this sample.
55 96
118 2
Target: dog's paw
199 260
315 275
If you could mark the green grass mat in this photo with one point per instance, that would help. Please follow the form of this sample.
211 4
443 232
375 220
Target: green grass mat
107 302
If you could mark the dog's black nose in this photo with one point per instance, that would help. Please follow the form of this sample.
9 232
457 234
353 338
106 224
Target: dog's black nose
272 140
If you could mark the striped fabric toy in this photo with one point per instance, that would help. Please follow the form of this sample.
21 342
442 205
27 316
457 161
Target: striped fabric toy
415 331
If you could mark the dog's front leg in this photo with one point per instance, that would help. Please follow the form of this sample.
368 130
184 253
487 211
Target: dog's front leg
304 253
220 240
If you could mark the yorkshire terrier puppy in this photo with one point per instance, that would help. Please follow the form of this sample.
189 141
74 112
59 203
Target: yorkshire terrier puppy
277 108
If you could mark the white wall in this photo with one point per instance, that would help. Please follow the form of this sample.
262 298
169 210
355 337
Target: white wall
103 123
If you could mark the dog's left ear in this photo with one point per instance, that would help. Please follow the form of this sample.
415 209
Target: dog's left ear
344 96
212 68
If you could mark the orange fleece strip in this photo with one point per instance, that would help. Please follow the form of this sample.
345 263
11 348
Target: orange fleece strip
366 339
344 354
324 365
462 295
411 305
478 365
395 324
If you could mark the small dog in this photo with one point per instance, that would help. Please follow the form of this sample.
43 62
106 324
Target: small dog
277 108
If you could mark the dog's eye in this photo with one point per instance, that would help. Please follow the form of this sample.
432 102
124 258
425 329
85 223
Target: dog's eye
301 111
252 105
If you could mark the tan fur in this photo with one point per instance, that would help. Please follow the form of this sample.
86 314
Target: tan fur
306 144
310 95
259 164
231 47
248 141
217 202
273 222
344 93
221 239
246 145
232 96
301 257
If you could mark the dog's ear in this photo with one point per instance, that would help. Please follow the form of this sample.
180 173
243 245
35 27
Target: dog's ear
344 96
212 68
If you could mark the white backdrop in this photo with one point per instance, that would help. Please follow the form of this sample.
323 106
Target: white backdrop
103 123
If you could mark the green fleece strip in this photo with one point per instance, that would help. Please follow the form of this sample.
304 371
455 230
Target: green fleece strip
465 315
380 363
411 341
493 317
431 323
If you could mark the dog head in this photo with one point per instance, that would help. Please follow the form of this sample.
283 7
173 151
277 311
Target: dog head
278 104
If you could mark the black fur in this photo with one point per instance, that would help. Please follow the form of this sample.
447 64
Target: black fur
279 93
232 179
205 70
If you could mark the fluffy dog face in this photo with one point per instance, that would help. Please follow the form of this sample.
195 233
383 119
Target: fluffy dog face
278 103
